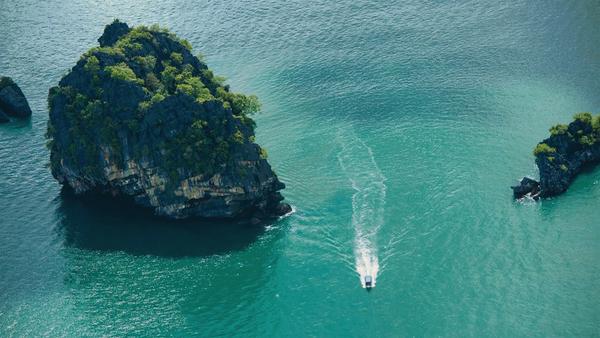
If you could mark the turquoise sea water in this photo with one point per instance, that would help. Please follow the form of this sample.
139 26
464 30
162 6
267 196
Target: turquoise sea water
398 128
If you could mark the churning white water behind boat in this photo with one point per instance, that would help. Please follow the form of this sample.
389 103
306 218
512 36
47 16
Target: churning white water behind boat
368 201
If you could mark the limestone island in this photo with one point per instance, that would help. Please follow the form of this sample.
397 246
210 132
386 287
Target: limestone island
12 101
562 156
143 118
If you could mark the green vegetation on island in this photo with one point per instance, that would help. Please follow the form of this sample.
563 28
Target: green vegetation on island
140 58
584 136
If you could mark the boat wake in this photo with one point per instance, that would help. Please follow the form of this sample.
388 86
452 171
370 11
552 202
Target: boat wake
359 165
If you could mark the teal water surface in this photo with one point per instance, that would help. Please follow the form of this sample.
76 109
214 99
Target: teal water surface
398 128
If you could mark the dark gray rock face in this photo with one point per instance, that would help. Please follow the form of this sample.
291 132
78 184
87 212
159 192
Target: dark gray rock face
143 118
112 33
527 186
3 117
557 170
12 100
562 156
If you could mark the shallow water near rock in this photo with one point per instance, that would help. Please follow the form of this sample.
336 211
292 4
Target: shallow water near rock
398 129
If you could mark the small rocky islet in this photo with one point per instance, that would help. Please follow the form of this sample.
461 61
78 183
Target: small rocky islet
141 117
562 156
12 101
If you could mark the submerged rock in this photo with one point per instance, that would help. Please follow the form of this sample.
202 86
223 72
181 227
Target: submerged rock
12 101
142 117
562 156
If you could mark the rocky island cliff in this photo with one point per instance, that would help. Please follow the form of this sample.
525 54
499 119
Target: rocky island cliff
141 117
562 156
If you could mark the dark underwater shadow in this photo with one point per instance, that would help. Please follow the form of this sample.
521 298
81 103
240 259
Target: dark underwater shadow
112 224
18 123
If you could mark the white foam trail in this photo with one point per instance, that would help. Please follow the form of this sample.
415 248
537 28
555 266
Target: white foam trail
358 163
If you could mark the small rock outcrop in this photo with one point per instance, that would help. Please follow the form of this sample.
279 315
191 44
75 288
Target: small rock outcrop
12 101
142 117
562 156
527 187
